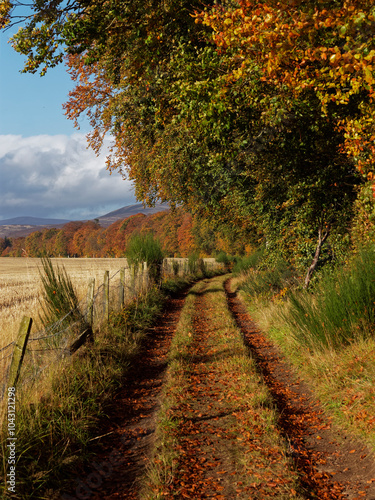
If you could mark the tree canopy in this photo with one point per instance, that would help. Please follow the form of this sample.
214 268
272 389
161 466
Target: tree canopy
257 114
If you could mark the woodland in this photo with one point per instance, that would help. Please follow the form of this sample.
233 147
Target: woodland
179 235
253 115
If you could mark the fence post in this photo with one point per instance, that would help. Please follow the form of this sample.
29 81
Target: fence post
145 277
132 280
139 278
19 351
106 296
122 287
90 302
128 280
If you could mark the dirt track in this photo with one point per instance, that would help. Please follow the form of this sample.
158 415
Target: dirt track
329 464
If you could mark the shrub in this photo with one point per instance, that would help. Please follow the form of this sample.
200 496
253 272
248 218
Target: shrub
271 281
243 264
201 267
227 260
193 263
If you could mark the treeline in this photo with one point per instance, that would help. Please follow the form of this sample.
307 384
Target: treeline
179 232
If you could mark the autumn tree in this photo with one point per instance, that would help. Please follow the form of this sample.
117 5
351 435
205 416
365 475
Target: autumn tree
256 114
5 243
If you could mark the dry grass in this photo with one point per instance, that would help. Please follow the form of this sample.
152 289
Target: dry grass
20 287
20 293
55 431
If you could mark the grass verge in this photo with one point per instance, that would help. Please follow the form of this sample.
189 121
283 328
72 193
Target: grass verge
253 454
54 431
341 373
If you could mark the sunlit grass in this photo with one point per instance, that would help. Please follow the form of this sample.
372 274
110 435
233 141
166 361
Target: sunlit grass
328 335
57 417
341 309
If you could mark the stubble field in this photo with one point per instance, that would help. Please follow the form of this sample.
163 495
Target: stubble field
20 287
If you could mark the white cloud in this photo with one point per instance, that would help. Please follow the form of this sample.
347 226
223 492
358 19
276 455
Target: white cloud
57 177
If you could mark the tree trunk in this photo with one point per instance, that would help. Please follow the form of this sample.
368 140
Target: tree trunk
321 239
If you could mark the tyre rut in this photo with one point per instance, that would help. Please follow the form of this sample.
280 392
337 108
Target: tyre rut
121 453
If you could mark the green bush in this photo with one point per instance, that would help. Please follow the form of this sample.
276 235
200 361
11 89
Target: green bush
223 258
227 260
243 264
340 308
201 267
143 247
193 263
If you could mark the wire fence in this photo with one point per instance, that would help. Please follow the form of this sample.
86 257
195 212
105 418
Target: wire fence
48 348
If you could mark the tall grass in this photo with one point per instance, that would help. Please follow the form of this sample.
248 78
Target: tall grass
269 282
341 308
21 288
59 298
54 430
146 248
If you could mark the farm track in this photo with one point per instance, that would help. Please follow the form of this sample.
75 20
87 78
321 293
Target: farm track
331 466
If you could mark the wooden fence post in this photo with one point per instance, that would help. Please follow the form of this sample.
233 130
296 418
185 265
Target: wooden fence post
128 280
139 278
132 280
122 287
145 277
90 303
164 268
88 334
19 351
106 296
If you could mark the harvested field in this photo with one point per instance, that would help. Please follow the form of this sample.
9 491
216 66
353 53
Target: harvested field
20 286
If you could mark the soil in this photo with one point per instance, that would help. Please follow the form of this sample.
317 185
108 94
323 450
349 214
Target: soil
331 464
206 468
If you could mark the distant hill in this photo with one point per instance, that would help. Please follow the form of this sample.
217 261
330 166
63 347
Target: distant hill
124 212
22 226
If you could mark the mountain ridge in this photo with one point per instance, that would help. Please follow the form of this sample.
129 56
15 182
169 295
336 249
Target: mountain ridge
24 225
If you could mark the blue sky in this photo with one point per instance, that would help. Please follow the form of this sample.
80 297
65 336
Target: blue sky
45 167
